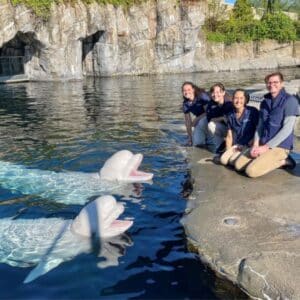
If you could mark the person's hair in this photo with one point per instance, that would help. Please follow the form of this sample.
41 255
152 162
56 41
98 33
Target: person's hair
218 84
279 74
246 95
196 88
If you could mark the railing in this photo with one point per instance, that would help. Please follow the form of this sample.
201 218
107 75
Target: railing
11 65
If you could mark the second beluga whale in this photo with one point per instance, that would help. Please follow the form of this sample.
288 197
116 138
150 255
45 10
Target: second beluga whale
45 243
75 187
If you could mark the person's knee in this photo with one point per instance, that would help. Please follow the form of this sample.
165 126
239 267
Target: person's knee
251 171
224 160
239 165
211 126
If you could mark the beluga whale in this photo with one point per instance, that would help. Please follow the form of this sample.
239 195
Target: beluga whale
47 242
69 187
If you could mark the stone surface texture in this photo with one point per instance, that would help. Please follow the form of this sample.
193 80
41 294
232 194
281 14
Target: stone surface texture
247 230
150 38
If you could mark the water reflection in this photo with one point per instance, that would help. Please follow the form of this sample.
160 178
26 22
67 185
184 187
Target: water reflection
76 126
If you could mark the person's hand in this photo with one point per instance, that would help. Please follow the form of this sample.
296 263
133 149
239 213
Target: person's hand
238 148
189 143
195 122
258 150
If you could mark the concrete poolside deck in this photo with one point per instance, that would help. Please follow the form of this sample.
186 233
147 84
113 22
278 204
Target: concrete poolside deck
14 78
247 230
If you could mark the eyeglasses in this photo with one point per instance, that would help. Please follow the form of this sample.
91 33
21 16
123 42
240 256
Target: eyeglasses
273 82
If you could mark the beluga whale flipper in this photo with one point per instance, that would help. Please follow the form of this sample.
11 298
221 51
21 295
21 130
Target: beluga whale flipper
47 242
66 187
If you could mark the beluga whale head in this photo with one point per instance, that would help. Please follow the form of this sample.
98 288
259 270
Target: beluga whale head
47 242
99 219
123 166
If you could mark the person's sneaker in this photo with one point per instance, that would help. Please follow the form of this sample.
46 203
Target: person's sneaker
290 163
217 159
221 148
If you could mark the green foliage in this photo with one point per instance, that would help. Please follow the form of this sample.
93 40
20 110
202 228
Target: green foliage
297 26
216 14
242 27
242 10
279 27
42 7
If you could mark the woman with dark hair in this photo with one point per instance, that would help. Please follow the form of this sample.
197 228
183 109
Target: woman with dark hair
194 101
217 110
241 122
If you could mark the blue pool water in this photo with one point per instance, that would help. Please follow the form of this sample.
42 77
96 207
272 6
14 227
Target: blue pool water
76 126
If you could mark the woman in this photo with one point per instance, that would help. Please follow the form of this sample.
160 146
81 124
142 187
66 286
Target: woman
194 101
241 122
217 110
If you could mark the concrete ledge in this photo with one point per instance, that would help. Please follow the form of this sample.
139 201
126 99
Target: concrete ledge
247 230
14 78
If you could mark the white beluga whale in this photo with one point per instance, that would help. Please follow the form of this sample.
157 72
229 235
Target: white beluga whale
47 242
69 187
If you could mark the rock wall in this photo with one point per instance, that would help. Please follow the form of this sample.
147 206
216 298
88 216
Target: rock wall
162 36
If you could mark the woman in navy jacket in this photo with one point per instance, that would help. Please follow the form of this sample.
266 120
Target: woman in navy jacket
194 102
241 122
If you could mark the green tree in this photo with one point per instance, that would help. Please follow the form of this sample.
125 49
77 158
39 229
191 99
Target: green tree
242 10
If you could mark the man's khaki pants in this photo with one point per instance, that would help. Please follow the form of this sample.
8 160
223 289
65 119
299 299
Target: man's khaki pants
263 164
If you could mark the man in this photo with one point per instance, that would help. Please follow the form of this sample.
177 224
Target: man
274 134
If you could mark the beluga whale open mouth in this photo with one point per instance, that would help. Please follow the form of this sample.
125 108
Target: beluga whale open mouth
100 218
123 166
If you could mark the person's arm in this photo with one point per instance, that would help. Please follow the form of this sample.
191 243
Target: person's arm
229 139
284 132
197 119
218 119
188 124
258 132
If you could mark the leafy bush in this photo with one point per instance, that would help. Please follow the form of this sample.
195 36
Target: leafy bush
297 26
278 27
242 27
42 7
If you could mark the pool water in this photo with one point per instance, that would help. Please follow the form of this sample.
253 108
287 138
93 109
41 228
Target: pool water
76 126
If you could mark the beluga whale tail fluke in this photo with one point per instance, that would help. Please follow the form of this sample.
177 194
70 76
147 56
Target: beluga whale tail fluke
123 166
48 242
71 187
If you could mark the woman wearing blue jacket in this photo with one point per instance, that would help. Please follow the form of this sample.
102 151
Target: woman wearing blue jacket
194 102
241 122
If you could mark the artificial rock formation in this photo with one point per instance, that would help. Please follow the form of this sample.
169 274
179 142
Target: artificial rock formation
149 38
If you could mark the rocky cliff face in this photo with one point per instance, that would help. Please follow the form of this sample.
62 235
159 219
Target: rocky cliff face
162 36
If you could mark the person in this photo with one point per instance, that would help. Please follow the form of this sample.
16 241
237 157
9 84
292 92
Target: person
217 110
273 139
241 122
194 102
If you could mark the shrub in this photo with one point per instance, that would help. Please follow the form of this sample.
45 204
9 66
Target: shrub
279 27
242 27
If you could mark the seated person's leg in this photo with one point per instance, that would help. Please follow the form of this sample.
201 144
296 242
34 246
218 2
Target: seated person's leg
235 156
217 130
267 162
243 160
226 156
200 132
